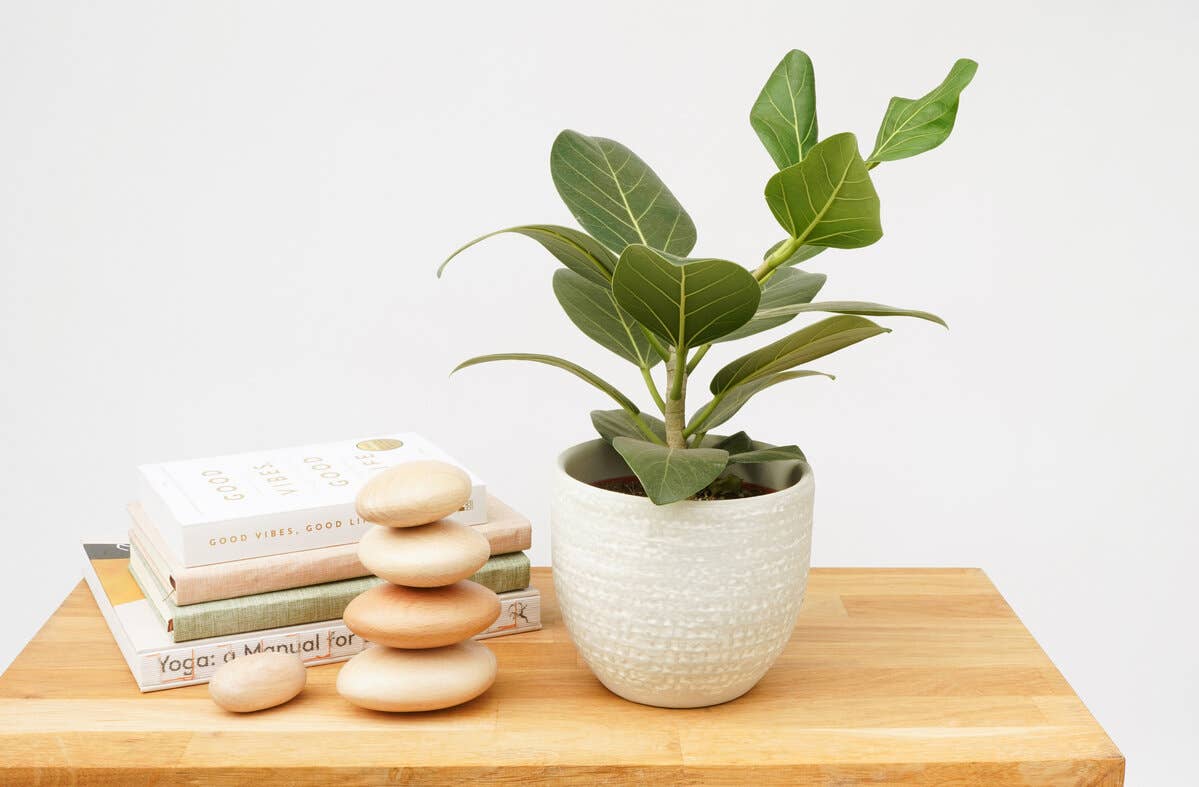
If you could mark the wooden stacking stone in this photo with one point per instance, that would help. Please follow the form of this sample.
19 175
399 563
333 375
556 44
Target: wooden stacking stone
404 617
413 493
437 554
392 679
420 622
258 681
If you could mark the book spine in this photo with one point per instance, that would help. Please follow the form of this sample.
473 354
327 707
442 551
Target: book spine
508 536
269 534
504 573
519 611
273 534
283 608
185 665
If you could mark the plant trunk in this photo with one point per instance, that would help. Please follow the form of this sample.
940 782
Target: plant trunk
676 409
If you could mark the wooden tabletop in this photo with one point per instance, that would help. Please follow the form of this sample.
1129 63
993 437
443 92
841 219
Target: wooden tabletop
895 676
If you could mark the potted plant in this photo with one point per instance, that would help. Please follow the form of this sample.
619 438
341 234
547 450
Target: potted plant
681 555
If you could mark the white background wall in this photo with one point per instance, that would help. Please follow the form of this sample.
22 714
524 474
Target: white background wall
219 224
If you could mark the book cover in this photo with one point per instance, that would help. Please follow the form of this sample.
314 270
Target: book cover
506 530
158 663
262 503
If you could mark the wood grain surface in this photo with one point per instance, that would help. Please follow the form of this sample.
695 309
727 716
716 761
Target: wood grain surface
894 676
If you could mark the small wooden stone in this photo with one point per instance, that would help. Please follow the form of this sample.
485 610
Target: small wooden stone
258 681
403 617
428 556
387 679
413 493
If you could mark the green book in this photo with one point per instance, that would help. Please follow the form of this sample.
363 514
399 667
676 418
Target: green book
291 607
503 573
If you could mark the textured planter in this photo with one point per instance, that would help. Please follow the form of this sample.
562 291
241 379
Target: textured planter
684 605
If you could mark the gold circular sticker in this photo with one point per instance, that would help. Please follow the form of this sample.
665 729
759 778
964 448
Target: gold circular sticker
380 444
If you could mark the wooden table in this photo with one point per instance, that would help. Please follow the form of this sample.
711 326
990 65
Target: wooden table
895 676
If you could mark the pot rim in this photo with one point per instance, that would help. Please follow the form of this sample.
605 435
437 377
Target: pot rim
803 486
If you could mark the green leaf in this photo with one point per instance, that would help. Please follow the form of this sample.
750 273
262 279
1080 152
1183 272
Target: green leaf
800 255
844 307
724 407
784 116
593 310
806 344
561 363
616 197
670 474
775 454
915 125
735 443
686 302
574 249
827 199
617 423
787 287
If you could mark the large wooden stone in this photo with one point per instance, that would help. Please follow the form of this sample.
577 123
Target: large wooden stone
428 556
404 617
258 681
413 493
388 679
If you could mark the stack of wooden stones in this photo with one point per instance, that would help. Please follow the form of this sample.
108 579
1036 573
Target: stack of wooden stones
421 624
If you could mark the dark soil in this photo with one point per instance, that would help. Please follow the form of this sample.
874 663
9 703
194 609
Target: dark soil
729 487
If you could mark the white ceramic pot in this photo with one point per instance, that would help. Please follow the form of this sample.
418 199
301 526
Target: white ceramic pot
683 605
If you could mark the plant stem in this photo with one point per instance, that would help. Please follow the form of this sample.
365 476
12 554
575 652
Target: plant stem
699 356
776 257
676 374
655 343
702 416
653 389
644 428
676 400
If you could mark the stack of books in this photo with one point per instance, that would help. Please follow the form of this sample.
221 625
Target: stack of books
241 554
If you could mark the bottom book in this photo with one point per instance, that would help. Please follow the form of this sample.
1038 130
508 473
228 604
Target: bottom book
159 663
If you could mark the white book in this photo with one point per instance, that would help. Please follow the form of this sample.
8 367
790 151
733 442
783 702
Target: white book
157 662
263 503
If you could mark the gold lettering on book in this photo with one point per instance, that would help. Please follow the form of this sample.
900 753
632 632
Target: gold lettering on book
325 471
222 540
316 527
274 532
369 461
221 482
269 534
276 480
